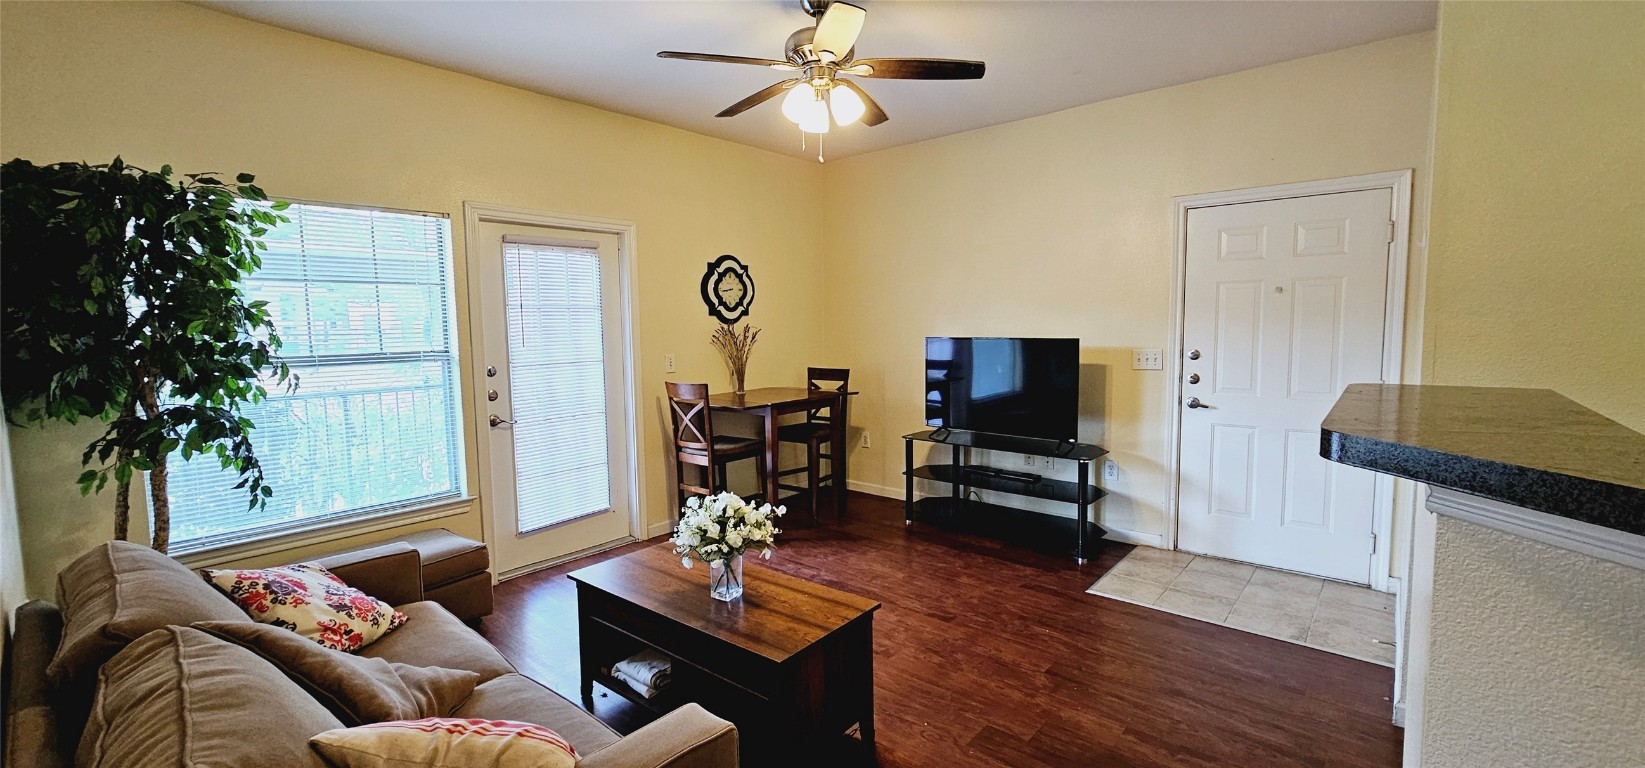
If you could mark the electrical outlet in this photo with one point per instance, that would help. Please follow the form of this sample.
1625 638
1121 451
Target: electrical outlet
1110 470
864 441
1028 461
1147 360
668 363
1050 463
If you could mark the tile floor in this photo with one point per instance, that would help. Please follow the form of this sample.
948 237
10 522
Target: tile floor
1351 621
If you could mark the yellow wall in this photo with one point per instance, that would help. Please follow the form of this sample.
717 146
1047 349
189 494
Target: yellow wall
172 83
1061 226
1537 270
1534 655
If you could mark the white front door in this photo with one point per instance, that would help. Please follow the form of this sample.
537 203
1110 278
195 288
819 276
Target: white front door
554 387
1284 306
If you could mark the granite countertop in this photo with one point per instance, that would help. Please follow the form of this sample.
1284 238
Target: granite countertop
1532 448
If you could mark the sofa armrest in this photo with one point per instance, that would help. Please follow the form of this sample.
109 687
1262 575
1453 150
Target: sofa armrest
392 572
688 737
32 737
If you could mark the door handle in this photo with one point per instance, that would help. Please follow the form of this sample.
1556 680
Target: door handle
1192 402
496 420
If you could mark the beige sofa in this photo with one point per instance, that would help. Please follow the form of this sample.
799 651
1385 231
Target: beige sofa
121 591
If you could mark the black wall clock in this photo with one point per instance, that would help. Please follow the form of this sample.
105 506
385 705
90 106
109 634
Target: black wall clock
728 290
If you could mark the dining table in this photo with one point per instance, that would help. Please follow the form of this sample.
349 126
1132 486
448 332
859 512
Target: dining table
770 404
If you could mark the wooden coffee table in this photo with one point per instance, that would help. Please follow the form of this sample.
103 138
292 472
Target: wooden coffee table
791 662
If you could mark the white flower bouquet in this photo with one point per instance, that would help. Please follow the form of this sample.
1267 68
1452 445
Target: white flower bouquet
718 530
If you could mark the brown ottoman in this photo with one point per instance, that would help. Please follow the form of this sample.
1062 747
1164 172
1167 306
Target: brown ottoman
454 572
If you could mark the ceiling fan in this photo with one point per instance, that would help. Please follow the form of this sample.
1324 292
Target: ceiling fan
822 55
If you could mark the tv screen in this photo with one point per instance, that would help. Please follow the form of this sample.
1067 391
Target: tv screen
1019 387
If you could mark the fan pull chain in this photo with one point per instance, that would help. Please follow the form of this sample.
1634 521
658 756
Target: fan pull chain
819 147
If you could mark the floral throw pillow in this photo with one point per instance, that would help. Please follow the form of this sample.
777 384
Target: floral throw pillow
307 599
444 742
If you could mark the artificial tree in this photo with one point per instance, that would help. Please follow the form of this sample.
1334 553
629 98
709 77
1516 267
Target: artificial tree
123 302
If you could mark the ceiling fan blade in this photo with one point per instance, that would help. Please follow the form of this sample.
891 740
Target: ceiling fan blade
872 115
837 31
717 58
917 69
764 95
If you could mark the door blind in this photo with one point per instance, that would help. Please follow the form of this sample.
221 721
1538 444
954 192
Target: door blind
557 387
362 301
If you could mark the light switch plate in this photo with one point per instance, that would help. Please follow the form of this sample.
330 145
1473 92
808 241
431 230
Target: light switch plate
1147 360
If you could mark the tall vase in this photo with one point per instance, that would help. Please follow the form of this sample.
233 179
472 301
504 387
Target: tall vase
725 579
740 376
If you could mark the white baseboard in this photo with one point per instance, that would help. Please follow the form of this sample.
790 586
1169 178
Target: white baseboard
1124 536
876 490
662 528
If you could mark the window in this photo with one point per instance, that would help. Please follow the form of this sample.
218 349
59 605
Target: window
362 300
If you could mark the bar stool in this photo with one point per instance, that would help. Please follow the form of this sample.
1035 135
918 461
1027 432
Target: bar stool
816 432
695 443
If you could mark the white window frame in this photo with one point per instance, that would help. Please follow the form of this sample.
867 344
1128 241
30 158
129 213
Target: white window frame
367 520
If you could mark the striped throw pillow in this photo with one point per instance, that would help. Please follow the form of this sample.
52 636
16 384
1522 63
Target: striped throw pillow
445 742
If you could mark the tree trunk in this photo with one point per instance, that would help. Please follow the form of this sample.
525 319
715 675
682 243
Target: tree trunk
122 491
159 506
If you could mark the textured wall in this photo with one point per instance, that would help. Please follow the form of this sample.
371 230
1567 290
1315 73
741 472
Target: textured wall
1536 266
173 83
1537 655
1062 226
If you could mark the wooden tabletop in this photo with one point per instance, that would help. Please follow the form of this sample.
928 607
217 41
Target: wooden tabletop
778 615
765 397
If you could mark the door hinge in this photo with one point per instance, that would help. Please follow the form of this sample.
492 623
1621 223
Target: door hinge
1373 543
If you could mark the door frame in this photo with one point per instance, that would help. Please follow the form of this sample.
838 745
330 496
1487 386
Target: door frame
474 214
1393 329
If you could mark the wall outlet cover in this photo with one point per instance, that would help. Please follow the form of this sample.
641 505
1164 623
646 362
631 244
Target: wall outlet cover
1110 470
668 363
1147 360
864 441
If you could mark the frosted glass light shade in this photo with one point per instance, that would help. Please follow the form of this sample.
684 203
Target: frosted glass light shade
847 105
797 104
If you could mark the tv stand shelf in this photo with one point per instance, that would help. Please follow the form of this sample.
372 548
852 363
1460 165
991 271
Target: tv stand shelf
958 512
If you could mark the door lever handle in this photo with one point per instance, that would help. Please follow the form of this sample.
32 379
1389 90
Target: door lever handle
496 420
1192 402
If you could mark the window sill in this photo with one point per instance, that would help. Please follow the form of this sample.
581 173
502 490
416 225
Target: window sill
287 540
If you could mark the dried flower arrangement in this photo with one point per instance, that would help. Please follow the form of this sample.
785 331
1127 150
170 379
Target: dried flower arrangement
736 345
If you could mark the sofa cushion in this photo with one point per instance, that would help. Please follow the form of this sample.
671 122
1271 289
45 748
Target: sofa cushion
517 697
307 599
180 697
446 743
432 637
357 690
118 592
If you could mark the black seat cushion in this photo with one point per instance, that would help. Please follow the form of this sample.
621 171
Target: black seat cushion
726 446
803 431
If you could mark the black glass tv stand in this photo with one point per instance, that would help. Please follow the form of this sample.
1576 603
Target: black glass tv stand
1078 535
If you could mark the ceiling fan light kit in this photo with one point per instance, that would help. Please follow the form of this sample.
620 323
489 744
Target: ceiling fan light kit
824 55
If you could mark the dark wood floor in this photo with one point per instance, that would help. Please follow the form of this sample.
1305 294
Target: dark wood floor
989 655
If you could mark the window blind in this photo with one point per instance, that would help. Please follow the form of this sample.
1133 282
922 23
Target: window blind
362 301
556 353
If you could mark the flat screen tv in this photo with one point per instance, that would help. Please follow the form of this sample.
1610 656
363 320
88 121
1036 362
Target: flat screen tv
1018 387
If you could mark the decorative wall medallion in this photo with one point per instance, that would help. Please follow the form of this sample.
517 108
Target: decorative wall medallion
728 289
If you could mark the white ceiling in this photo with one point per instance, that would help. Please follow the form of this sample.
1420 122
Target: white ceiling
1042 56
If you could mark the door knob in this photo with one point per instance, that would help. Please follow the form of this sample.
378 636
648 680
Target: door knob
496 420
1193 402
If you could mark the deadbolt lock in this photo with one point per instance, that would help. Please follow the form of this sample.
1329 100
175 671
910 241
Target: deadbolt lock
1193 378
1193 354
491 370
491 394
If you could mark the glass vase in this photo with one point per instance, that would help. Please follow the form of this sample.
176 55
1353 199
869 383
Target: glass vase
725 579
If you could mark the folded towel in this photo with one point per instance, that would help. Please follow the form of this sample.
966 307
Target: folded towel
648 668
639 687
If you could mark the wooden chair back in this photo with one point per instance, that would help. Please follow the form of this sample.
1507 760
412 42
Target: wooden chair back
693 430
836 379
